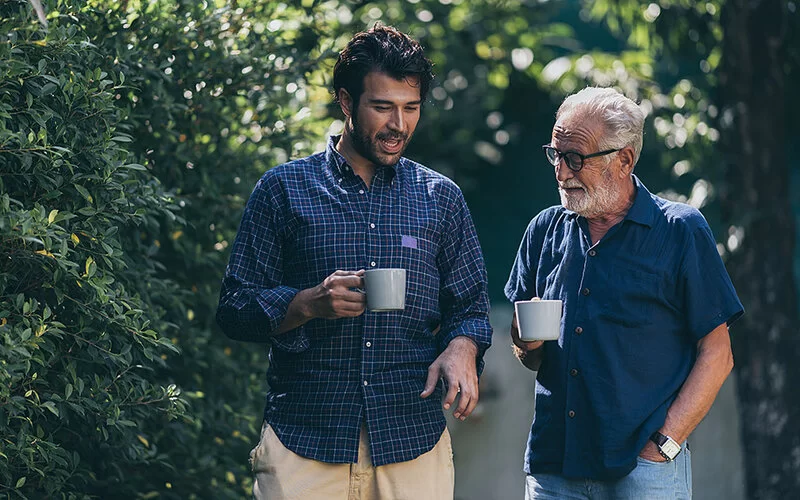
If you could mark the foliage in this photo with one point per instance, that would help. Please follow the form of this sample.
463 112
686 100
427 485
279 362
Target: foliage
131 133
82 335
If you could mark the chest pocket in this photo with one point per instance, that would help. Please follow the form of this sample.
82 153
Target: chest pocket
633 299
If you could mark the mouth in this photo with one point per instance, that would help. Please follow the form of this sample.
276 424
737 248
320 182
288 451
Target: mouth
571 189
391 145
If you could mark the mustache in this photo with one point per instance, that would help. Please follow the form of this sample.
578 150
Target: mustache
388 136
571 183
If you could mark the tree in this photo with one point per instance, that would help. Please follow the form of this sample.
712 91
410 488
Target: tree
760 58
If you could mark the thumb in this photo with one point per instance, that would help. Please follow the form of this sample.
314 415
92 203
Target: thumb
433 379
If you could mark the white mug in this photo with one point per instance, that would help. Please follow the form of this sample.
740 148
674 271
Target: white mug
385 289
538 319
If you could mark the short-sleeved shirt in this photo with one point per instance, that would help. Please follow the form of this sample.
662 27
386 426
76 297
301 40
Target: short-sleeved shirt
313 216
635 305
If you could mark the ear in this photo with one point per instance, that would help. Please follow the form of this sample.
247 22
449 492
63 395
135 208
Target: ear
627 158
345 102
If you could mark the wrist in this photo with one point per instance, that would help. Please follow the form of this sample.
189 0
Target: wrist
464 342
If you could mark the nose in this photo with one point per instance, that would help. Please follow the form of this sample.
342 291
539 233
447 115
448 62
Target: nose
563 172
396 123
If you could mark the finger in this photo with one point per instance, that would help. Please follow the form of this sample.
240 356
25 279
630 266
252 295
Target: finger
347 281
350 296
433 379
473 401
452 392
463 402
530 346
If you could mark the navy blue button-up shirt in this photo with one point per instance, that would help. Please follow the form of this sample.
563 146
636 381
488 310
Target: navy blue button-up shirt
305 220
635 305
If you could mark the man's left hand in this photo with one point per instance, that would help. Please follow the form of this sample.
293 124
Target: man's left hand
457 366
650 452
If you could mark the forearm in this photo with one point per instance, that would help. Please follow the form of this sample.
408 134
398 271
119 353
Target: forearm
297 314
252 314
713 365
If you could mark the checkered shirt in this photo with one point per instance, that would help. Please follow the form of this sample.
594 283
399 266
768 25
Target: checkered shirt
313 216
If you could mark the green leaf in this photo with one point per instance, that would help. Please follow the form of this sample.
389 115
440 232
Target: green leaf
52 407
20 482
84 192
48 89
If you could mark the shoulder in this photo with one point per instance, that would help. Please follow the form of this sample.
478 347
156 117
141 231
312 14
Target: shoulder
680 216
548 218
292 172
430 183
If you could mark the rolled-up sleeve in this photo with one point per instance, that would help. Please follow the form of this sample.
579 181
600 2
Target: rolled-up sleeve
253 300
463 296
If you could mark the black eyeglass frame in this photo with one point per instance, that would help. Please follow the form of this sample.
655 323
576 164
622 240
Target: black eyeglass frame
559 155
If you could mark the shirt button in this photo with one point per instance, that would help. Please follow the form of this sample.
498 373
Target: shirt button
585 291
366 383
571 412
578 330
573 372
372 225
360 191
369 344
372 264
592 253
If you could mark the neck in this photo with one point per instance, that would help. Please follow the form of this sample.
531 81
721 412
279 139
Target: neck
600 224
360 165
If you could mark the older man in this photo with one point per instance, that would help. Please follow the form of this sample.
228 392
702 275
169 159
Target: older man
644 345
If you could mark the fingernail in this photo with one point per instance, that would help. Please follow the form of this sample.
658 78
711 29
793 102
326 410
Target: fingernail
446 406
463 418
457 415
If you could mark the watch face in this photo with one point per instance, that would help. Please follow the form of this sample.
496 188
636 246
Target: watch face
670 449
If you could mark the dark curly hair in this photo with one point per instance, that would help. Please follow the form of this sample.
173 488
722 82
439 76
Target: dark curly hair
383 49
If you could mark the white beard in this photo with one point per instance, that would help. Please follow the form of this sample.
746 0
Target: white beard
602 200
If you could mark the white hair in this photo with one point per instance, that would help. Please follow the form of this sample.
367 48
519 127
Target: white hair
622 118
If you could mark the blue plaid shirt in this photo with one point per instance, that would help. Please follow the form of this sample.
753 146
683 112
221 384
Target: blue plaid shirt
313 216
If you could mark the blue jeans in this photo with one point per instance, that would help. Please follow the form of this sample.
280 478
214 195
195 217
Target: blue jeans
648 481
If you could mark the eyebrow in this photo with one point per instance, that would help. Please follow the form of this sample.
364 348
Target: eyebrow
391 103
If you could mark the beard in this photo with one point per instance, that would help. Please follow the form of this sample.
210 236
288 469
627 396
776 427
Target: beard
370 148
603 199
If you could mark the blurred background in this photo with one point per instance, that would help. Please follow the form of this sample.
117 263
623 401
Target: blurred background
132 132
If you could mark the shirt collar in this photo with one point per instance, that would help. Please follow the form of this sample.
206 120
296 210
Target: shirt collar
644 209
338 163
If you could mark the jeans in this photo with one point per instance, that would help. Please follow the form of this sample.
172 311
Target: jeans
648 481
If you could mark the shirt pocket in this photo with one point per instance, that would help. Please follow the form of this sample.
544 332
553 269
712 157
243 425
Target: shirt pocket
417 256
632 298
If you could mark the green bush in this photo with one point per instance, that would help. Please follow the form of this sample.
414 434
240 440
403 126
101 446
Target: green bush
82 341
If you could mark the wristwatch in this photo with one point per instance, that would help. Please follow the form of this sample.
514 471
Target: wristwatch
667 446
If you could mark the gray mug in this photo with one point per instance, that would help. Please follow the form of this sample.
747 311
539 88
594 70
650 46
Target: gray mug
385 289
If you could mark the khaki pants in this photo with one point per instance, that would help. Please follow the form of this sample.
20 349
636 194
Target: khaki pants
281 474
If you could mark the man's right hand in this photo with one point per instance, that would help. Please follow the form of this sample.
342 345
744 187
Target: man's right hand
529 353
521 344
334 297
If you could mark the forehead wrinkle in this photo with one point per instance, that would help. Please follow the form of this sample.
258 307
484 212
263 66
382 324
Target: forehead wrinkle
580 137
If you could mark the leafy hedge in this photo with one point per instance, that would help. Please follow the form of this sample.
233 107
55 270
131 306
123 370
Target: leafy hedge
83 341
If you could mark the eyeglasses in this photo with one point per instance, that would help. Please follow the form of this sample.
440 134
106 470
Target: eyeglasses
573 159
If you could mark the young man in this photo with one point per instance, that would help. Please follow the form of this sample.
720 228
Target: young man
644 344
353 409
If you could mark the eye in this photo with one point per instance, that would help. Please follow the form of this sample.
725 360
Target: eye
412 108
383 108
